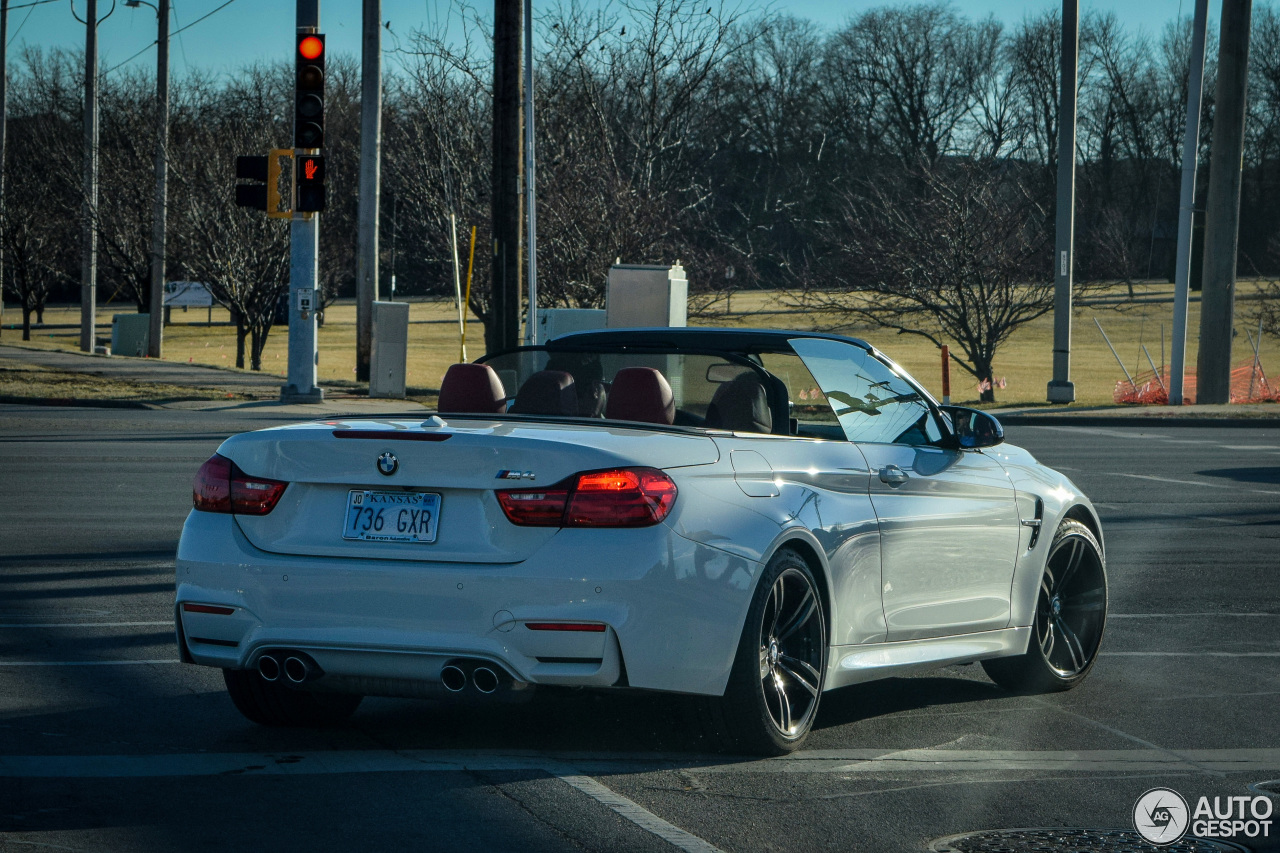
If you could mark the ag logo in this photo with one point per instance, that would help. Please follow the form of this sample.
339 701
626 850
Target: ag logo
1161 816
387 463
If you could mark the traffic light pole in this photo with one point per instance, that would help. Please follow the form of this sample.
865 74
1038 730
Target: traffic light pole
304 247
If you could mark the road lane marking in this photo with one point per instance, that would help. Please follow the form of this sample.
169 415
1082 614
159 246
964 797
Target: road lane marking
6 625
1191 654
634 812
1187 615
1187 482
862 761
4 663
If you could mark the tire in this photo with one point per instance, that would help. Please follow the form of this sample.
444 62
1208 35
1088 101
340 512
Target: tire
776 682
1070 617
270 704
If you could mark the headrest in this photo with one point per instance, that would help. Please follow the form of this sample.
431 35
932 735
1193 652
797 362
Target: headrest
547 392
641 394
472 389
741 405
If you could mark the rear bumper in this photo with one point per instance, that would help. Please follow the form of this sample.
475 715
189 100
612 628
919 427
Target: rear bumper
672 609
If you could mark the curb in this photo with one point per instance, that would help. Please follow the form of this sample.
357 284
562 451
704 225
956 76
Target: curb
1136 420
69 402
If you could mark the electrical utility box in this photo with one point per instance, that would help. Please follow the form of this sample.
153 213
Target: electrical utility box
554 322
642 295
130 334
389 349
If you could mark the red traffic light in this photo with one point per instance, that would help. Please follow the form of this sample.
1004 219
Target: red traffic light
311 48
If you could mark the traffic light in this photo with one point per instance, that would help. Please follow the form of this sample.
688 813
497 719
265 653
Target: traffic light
264 192
309 184
308 118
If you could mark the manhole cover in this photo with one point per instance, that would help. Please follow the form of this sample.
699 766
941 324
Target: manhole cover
1049 840
1272 787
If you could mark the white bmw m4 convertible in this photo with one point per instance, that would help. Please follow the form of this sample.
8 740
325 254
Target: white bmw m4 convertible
748 517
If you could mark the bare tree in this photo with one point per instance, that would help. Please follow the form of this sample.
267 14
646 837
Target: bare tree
923 63
955 252
240 254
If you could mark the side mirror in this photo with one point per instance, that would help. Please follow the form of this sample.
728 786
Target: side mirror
973 428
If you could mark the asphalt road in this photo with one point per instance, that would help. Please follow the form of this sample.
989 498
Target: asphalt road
107 744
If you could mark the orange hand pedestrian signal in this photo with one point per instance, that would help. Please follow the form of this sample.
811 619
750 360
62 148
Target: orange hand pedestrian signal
310 195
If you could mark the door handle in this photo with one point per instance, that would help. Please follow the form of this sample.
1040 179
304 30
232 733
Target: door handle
892 475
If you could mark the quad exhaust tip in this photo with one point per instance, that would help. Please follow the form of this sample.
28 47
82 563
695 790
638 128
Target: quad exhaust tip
298 669
269 668
294 667
485 679
453 678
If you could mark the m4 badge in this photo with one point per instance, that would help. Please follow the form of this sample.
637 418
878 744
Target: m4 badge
504 474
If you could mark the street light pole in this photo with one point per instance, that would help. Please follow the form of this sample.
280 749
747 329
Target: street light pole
89 208
161 203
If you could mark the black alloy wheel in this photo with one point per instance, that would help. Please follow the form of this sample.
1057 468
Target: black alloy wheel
1070 617
779 670
790 652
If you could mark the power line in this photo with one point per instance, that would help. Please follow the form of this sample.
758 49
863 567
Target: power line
153 43
33 3
20 26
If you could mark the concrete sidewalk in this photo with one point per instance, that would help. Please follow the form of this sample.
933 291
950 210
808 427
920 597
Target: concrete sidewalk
263 388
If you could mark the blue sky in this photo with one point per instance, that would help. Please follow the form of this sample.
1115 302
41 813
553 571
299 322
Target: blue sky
249 30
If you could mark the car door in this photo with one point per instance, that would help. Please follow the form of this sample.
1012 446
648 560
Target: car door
948 519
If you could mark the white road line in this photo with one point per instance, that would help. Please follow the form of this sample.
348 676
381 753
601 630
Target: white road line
1187 482
635 813
368 761
942 761
6 625
1191 654
1250 446
4 663
1187 615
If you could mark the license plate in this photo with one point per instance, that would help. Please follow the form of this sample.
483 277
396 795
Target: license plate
391 516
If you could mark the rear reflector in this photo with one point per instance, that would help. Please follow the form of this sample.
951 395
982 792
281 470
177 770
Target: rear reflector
620 497
222 487
207 608
589 627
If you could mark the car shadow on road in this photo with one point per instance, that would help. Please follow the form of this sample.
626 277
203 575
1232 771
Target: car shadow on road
1250 474
897 695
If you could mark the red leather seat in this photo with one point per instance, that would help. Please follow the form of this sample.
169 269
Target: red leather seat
641 394
472 389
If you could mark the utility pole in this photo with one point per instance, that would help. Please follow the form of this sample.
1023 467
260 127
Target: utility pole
1061 388
1186 212
304 251
1222 206
88 235
161 204
370 169
504 331
4 116
530 195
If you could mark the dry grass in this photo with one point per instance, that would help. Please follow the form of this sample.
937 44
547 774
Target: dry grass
1025 363
22 381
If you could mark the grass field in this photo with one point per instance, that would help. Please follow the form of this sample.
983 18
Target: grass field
1024 364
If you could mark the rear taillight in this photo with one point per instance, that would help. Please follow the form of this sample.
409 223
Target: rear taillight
222 487
622 497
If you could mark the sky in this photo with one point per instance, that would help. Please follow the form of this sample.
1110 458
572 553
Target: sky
244 31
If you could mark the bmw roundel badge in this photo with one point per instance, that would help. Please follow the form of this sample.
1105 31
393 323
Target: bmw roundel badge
388 463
